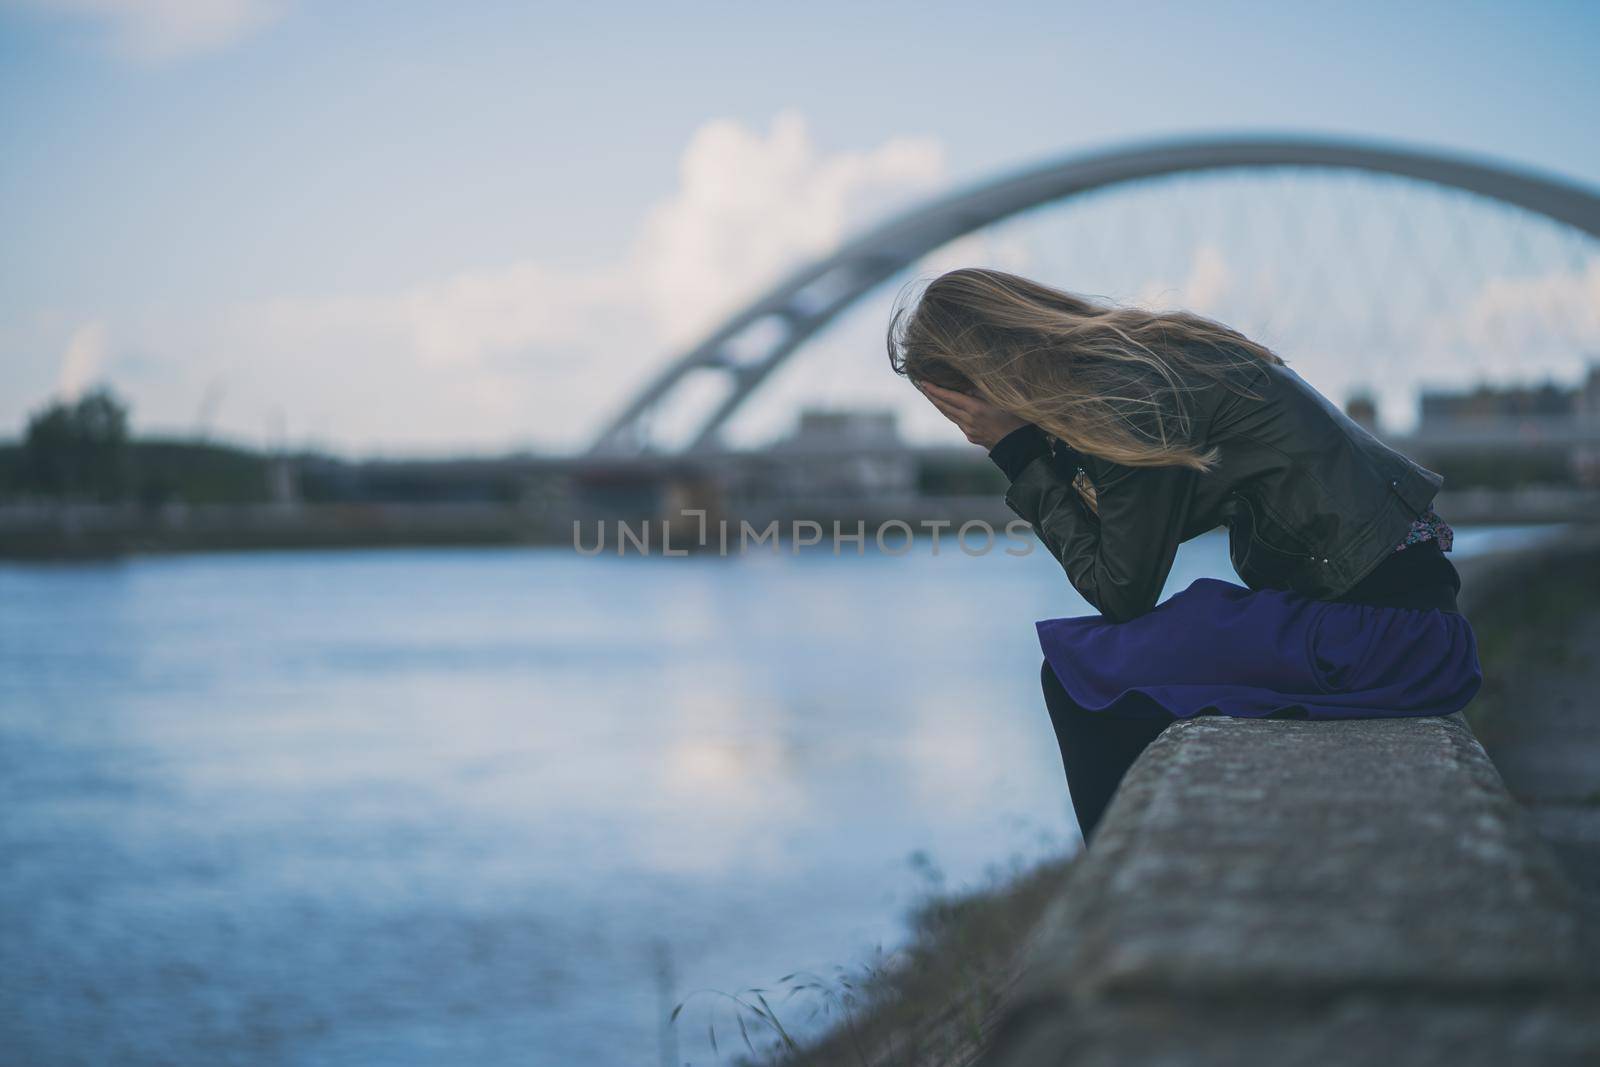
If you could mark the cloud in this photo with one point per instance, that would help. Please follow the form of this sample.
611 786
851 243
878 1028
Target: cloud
749 206
525 353
1512 321
155 31
1209 281
847 367
81 363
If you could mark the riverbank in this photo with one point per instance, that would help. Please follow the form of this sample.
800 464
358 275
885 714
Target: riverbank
61 532
1538 624
493 515
931 1002
1538 627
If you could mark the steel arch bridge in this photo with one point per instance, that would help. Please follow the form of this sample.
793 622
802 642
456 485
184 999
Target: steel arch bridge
811 297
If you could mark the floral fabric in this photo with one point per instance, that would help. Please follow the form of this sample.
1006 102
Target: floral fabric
1430 527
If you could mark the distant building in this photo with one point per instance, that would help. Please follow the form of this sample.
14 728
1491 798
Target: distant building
1589 394
1546 428
841 430
1494 402
1364 410
841 453
1586 457
283 482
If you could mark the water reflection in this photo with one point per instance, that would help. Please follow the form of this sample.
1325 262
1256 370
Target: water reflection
422 807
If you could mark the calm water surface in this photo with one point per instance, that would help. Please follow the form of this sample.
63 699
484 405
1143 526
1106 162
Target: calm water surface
438 807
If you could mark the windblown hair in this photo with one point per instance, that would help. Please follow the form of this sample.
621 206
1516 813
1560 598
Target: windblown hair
1115 382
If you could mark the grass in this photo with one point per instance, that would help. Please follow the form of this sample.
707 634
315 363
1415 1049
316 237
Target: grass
1523 612
929 1003
925 1004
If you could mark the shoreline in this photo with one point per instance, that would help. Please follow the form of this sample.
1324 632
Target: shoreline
107 532
1538 629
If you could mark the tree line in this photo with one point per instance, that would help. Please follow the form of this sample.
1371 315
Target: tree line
81 450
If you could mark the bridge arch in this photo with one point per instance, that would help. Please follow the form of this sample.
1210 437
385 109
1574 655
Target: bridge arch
760 337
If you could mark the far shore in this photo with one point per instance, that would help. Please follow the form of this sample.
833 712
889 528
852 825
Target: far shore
54 531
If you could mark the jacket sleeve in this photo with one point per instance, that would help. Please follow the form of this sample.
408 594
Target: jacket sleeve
1119 559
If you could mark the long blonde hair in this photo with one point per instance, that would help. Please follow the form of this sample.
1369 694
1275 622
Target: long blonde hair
1115 382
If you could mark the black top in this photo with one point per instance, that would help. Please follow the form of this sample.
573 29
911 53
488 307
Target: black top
1417 577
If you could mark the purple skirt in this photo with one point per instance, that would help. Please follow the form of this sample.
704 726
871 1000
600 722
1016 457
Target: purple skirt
1220 649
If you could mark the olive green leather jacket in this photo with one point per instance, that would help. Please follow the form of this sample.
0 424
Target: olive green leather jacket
1311 500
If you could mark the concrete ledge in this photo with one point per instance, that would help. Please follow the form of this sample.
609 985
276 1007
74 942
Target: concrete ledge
1291 892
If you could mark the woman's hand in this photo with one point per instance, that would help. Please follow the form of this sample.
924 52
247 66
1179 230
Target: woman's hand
982 422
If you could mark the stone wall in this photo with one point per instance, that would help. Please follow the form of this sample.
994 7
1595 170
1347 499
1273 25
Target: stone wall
1286 892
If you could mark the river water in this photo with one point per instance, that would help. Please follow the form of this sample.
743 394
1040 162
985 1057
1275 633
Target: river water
498 806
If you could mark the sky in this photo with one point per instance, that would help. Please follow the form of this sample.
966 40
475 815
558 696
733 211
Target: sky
408 228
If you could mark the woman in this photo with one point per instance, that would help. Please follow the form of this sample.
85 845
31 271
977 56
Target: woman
1124 432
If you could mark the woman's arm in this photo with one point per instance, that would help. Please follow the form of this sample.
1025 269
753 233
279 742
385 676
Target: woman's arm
1118 554
1119 558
